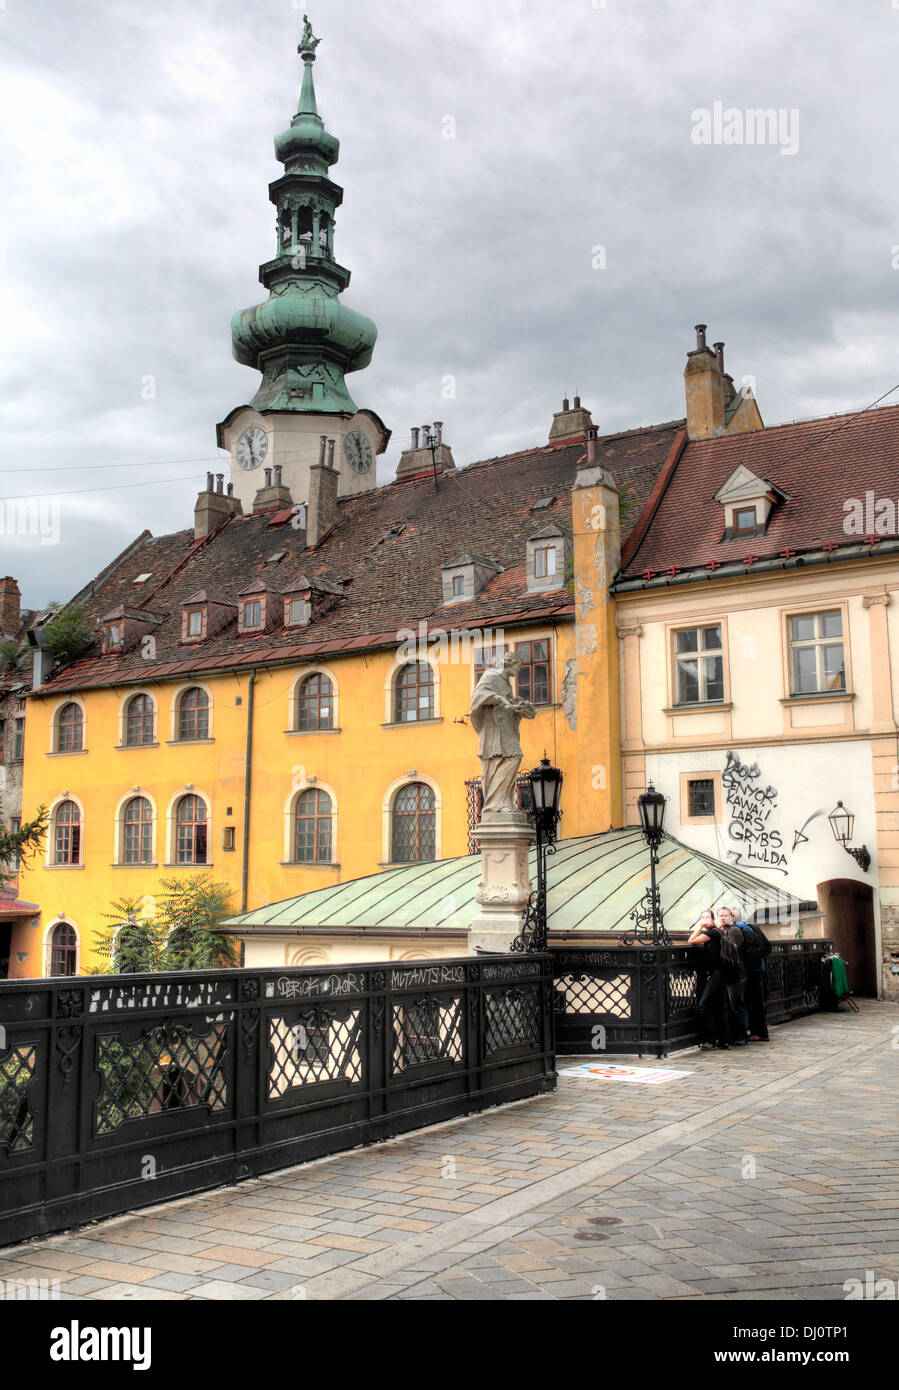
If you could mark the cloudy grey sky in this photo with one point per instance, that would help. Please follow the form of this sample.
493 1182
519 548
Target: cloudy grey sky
135 159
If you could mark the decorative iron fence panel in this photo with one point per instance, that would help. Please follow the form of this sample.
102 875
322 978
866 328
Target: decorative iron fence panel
638 999
119 1092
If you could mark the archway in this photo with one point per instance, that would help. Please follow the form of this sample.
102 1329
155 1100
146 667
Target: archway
848 908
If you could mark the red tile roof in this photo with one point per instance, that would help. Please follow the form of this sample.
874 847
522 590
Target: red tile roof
386 550
818 464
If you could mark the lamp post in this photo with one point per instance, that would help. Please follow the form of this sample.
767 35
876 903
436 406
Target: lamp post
841 823
545 791
648 912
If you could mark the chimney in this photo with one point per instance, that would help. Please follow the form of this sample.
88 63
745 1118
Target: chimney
418 458
415 436
570 423
705 386
321 512
10 607
592 447
213 507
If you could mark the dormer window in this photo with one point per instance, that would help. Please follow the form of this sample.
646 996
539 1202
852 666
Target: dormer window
251 615
465 577
548 552
748 502
204 614
296 612
124 627
194 622
545 562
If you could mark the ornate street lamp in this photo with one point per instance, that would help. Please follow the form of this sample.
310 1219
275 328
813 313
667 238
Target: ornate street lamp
648 912
544 792
841 823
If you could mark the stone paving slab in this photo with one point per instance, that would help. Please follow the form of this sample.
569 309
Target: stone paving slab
769 1172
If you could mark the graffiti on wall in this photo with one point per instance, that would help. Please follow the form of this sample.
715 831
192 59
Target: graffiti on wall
752 811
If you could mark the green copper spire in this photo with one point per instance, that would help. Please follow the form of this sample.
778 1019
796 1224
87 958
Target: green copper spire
303 339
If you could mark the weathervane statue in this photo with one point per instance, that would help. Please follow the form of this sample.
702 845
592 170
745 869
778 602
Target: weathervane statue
308 43
496 713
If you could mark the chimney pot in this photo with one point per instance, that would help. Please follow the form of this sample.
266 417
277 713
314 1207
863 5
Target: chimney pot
210 486
230 489
331 453
268 477
700 336
438 430
220 479
566 404
415 435
719 353
322 447
592 445
577 402
277 474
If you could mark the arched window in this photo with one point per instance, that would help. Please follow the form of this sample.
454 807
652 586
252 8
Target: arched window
67 834
63 949
312 833
193 714
414 692
137 831
70 729
315 703
414 824
139 721
190 831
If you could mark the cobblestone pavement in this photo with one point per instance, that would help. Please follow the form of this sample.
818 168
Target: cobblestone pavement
770 1172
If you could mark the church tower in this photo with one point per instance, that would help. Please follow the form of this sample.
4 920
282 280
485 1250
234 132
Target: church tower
303 339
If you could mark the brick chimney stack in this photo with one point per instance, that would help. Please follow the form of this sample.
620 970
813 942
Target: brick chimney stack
705 389
10 607
321 513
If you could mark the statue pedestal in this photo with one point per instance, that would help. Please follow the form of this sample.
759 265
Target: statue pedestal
505 886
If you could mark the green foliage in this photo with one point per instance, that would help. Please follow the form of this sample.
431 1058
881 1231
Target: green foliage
68 632
132 943
176 933
188 913
11 653
627 503
21 845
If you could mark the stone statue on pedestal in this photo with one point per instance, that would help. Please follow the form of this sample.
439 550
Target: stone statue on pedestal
496 713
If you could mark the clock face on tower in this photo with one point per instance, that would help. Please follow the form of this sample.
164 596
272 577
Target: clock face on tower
359 453
252 448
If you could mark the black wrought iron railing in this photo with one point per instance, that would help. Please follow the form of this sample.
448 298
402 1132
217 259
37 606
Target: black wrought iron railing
121 1091
640 999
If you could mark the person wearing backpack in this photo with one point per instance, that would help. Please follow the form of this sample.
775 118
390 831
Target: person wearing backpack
713 999
734 968
756 949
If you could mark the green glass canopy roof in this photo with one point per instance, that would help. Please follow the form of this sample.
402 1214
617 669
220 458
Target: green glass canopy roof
594 883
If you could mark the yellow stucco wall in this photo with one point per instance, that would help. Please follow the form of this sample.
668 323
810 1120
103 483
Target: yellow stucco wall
362 765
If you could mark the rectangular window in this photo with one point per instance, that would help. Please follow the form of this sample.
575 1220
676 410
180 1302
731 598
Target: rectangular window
297 612
817 659
533 674
545 562
195 624
699 665
114 636
745 519
2 738
458 586
252 614
701 798
18 740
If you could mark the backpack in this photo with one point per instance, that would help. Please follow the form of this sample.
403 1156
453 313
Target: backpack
731 963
